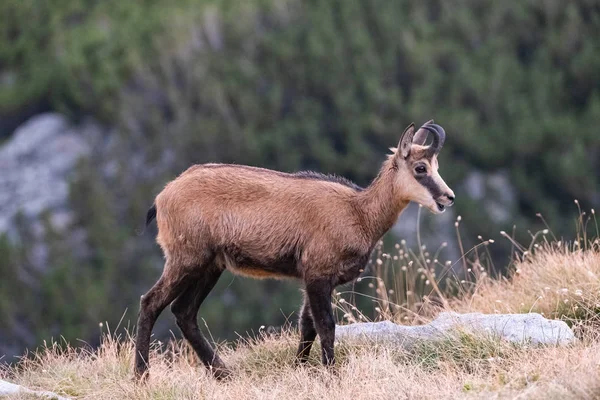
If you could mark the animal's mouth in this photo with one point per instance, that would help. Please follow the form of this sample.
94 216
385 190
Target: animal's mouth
440 206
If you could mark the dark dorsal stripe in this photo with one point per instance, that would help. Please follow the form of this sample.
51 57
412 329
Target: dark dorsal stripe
297 175
327 177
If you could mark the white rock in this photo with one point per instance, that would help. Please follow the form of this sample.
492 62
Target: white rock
517 328
7 388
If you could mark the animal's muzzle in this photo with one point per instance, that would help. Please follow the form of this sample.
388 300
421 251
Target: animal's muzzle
446 200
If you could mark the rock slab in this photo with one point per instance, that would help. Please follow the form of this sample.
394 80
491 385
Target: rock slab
7 388
529 328
35 165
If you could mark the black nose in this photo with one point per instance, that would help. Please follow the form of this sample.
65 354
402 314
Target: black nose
451 198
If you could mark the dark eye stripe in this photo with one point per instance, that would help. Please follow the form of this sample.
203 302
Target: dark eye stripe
430 184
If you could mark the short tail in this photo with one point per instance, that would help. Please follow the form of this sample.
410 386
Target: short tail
150 216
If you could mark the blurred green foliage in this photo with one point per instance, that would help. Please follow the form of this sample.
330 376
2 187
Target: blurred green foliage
321 84
74 54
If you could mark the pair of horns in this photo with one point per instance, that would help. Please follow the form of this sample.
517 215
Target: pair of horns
439 137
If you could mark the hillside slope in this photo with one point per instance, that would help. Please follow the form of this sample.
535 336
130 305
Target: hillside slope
472 367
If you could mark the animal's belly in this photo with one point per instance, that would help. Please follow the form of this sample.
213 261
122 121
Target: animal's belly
259 269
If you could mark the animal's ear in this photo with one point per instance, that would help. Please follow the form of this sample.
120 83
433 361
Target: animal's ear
406 141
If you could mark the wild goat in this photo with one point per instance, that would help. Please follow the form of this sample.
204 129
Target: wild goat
317 228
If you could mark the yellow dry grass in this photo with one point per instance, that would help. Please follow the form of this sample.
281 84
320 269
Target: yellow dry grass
264 370
555 280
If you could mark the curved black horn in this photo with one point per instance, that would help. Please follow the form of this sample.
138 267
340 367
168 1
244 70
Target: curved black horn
439 137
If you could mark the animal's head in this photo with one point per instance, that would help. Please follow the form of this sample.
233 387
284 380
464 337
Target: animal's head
417 168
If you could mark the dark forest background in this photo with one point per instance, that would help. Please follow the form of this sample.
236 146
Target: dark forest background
327 85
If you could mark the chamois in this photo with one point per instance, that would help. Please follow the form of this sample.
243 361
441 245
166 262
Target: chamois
320 229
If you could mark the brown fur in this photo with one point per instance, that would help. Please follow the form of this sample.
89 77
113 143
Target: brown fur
267 224
268 214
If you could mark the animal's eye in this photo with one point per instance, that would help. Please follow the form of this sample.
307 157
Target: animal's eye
420 169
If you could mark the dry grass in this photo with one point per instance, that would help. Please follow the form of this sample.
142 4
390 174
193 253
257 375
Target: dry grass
557 280
472 368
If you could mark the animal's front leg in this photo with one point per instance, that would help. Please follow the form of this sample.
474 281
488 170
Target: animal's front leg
319 298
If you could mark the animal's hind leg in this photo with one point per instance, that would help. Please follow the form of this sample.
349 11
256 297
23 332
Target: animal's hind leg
308 333
185 308
319 298
170 284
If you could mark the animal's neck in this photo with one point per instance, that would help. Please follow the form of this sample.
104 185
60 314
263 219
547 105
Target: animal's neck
381 204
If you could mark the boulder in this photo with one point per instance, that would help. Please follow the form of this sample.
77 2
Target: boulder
7 388
36 164
517 328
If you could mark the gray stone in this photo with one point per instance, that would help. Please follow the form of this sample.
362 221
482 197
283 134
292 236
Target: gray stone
517 328
7 388
36 164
